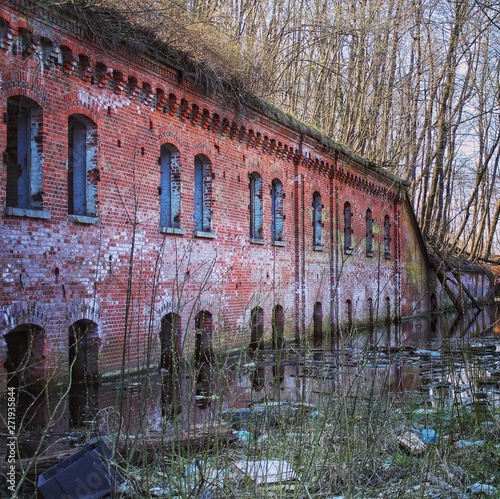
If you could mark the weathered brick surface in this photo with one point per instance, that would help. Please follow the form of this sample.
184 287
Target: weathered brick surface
123 274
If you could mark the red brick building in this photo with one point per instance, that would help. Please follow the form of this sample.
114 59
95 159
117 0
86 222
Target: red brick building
140 208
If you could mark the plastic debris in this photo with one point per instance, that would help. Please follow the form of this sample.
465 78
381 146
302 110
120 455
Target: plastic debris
267 471
467 443
428 436
483 488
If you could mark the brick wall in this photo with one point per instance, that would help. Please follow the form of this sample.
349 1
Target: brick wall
123 271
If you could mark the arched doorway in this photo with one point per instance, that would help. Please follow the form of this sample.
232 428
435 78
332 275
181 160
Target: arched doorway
25 374
203 358
278 327
256 329
318 324
170 335
83 366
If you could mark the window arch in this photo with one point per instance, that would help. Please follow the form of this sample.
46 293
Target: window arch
347 228
277 214
170 187
256 207
82 166
317 220
202 194
24 154
369 233
387 236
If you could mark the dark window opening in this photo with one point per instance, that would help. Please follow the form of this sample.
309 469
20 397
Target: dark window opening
170 337
278 327
256 207
318 324
369 232
24 154
256 329
349 318
347 228
83 173
317 220
83 355
387 236
202 194
170 187
278 216
387 310
25 374
203 358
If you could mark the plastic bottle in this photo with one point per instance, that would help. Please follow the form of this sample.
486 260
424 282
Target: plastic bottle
467 443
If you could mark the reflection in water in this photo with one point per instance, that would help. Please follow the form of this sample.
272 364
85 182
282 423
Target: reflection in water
385 362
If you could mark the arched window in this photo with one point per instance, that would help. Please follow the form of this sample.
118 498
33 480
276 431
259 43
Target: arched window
256 207
83 172
24 154
256 329
202 194
369 233
278 327
317 220
278 216
83 356
318 324
387 236
170 187
203 358
347 228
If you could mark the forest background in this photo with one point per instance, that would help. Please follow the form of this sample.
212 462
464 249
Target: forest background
411 85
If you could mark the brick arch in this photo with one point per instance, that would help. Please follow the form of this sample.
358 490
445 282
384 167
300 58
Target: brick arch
204 150
26 84
23 312
167 135
83 309
74 103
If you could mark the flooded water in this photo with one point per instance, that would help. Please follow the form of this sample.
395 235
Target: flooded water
445 360
448 360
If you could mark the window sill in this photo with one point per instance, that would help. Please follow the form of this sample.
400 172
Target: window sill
83 219
279 243
24 212
318 247
205 235
369 254
172 230
348 251
255 240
